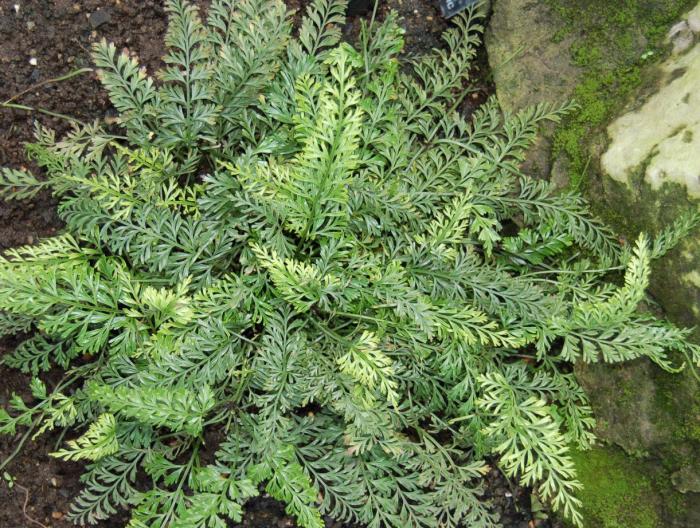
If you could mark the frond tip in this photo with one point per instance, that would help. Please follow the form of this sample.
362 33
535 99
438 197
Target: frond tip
98 442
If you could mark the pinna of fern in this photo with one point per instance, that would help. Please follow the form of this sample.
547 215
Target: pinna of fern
298 267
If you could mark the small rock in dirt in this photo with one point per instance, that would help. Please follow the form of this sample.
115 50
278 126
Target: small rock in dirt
54 480
30 25
97 18
57 515
16 7
33 61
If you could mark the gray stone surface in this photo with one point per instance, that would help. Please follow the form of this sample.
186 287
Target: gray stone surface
529 67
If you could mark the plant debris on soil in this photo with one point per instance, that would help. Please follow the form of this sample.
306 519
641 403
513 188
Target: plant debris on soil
42 40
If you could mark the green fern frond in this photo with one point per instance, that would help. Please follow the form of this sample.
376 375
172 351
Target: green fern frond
130 90
98 442
320 27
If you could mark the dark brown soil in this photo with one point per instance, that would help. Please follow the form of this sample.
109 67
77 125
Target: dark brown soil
58 34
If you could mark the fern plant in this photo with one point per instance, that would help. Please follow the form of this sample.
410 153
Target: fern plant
299 268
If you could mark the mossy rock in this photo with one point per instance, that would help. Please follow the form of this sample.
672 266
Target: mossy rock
617 492
648 175
614 42
622 491
528 67
613 56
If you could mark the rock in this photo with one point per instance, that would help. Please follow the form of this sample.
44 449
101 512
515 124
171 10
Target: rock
693 20
649 175
685 480
529 67
664 133
681 36
99 17
647 163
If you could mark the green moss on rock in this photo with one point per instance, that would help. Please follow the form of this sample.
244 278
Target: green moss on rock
623 491
616 494
614 41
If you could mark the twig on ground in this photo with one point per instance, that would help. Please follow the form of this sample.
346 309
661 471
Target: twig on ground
24 507
65 77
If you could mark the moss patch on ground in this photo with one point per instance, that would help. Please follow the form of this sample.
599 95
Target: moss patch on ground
616 493
617 39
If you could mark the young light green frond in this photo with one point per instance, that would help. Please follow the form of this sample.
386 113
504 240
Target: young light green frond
530 444
62 249
302 285
98 442
177 408
371 368
313 191
450 226
620 306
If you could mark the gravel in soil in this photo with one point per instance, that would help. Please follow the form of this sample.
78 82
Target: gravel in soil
41 40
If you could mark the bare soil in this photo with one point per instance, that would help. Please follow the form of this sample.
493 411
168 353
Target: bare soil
44 39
